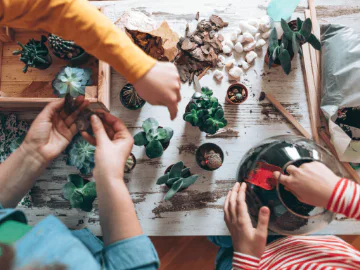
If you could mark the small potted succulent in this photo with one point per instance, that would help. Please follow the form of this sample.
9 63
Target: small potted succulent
205 112
81 155
71 80
177 178
209 156
130 163
34 54
236 94
67 50
80 192
130 98
155 138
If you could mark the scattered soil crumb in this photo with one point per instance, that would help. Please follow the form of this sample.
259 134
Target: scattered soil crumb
262 96
188 148
265 112
224 133
197 16
250 111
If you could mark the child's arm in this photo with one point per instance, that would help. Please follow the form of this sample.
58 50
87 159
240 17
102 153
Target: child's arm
249 242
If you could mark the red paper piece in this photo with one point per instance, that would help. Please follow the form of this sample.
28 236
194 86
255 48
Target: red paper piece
262 176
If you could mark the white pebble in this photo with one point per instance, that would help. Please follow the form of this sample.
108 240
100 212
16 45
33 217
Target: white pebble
257 36
218 75
238 31
240 39
235 73
234 37
221 62
248 37
260 43
244 64
250 57
254 22
265 23
266 35
230 64
238 47
250 46
226 49
228 42
245 27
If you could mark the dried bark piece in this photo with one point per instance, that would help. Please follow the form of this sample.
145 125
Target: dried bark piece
188 45
218 21
197 16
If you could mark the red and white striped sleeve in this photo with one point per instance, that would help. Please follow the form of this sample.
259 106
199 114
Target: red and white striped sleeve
345 199
243 261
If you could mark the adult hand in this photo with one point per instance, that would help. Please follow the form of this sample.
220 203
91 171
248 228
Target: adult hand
52 131
312 183
161 86
246 239
113 146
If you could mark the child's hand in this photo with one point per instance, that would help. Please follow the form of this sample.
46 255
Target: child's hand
246 239
312 183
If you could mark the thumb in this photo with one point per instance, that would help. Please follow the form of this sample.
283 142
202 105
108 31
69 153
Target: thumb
98 128
263 221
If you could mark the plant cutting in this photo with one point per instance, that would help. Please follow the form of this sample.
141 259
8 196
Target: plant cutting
81 155
130 163
67 50
71 80
177 177
205 112
209 156
34 54
236 94
80 192
155 138
130 98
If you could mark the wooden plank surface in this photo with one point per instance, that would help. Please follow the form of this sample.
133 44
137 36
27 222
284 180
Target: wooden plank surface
197 210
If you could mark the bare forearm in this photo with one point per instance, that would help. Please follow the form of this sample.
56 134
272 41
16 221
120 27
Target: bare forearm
117 213
17 175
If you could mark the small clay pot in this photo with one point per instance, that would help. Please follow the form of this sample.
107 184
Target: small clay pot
168 170
206 147
241 87
133 166
123 100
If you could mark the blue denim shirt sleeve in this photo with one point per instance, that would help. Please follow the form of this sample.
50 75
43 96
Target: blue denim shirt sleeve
133 253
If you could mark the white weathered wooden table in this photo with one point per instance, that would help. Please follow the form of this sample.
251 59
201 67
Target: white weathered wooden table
198 210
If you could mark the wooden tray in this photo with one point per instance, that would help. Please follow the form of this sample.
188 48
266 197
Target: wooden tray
33 90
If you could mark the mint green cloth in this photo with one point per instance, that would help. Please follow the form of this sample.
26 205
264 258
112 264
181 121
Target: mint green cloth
281 9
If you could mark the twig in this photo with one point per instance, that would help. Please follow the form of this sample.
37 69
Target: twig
202 74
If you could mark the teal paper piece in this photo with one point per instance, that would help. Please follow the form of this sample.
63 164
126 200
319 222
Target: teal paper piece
279 9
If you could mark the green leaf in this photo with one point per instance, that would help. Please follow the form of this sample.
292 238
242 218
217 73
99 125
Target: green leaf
285 42
162 179
162 134
171 181
299 23
295 44
192 106
87 204
207 91
152 134
220 125
76 179
150 123
176 169
306 28
76 199
89 190
285 61
169 135
140 139
172 191
219 114
313 41
273 41
68 189
154 149
189 180
287 30
185 171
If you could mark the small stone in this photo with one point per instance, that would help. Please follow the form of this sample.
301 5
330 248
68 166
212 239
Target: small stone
266 35
262 96
250 46
254 22
226 49
218 75
244 64
221 62
260 43
265 23
233 37
229 64
248 37
250 57
240 39
238 47
245 27
235 73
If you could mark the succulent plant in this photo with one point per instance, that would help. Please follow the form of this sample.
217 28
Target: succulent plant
130 98
64 49
130 163
279 51
177 179
205 112
81 193
154 138
34 54
300 35
71 80
81 155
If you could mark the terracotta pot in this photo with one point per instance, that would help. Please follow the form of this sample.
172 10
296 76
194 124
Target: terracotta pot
207 147
236 85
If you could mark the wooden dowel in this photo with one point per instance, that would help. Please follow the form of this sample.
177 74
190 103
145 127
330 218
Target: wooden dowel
353 174
288 116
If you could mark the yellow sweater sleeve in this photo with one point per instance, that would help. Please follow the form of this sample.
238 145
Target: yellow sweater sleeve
80 21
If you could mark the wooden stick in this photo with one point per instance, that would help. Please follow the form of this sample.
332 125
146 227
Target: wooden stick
202 74
6 34
353 174
288 116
